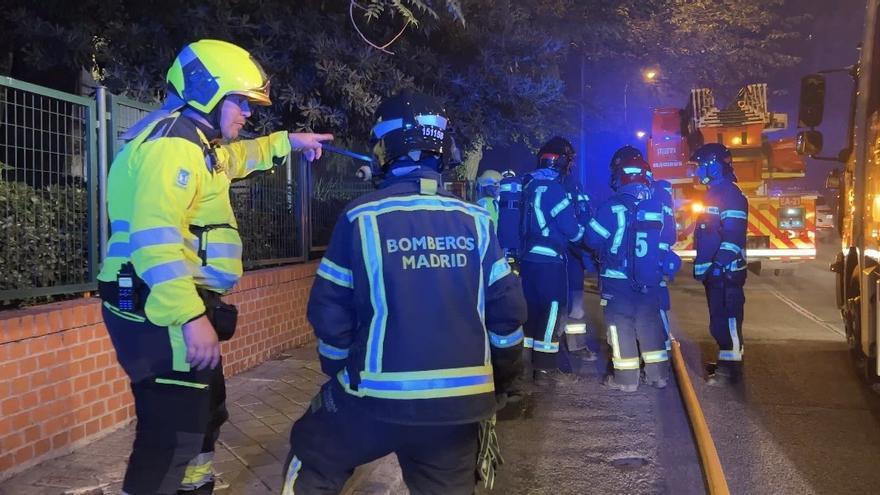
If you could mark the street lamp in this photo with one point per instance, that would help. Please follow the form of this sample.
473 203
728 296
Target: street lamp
649 76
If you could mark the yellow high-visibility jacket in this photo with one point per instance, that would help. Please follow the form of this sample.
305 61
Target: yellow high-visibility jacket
171 216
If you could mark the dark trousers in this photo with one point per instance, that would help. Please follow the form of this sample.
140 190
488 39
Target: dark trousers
635 332
545 286
726 309
576 326
179 413
333 437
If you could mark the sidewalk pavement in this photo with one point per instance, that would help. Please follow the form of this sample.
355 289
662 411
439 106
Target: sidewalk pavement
263 403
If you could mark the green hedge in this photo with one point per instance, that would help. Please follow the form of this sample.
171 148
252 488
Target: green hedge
43 235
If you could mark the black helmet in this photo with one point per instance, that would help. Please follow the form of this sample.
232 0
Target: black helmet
558 154
409 124
624 153
631 170
714 161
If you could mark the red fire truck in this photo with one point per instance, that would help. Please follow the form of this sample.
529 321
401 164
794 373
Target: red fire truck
782 226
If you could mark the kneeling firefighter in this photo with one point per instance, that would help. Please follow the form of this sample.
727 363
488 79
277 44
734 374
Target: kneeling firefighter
418 318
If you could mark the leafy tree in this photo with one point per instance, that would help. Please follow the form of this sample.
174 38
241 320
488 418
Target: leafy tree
508 70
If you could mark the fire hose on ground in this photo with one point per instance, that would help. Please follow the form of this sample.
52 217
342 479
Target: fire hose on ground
716 483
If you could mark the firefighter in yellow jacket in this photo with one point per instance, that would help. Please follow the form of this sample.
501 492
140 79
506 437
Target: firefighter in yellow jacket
175 249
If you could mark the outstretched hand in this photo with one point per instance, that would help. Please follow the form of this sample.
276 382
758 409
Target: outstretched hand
308 143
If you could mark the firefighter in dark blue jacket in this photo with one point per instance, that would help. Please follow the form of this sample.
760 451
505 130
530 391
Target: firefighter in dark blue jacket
626 233
720 263
509 208
418 319
661 191
549 224
578 263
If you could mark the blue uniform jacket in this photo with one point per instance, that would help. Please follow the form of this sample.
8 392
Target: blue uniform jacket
661 191
550 219
415 306
509 208
720 234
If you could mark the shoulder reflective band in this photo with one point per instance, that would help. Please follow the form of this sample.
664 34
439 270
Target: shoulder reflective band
334 273
701 268
734 214
509 340
599 229
414 203
331 352
559 207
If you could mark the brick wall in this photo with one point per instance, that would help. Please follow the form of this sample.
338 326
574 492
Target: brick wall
60 386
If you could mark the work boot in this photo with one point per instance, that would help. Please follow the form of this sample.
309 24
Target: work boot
658 383
720 376
584 354
612 384
545 378
206 489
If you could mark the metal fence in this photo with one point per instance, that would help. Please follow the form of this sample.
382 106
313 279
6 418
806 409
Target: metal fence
48 186
332 185
55 150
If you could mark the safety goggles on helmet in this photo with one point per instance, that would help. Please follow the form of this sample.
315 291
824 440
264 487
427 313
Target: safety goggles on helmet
206 71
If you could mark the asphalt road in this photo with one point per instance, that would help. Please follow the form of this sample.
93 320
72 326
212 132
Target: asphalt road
802 422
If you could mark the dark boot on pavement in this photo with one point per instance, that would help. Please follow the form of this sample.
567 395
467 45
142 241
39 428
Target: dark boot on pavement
545 378
584 354
612 384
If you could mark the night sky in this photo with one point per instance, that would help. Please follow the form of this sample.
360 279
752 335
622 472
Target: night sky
829 40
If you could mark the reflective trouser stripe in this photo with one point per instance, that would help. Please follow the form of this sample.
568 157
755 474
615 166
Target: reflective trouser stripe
736 353
528 342
575 328
620 363
655 356
290 477
664 317
198 472
547 345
